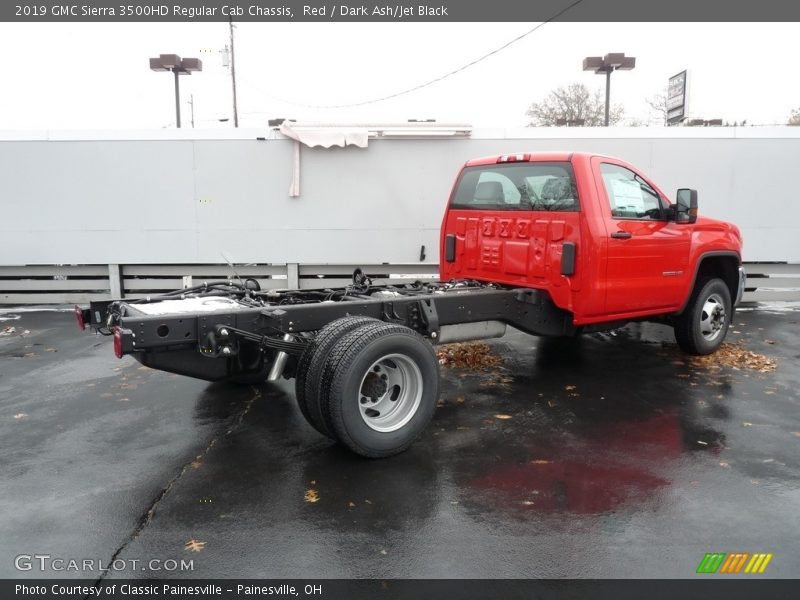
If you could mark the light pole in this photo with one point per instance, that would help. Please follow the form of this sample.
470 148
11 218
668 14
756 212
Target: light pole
178 66
233 75
615 61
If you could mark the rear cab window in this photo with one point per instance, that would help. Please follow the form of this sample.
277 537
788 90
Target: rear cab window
537 186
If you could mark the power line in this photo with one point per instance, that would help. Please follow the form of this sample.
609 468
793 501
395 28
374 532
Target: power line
441 77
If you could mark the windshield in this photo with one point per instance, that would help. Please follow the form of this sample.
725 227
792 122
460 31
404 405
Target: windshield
517 186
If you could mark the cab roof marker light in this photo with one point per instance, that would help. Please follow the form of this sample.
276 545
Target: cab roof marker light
507 158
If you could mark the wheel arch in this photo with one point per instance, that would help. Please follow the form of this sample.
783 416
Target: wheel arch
720 263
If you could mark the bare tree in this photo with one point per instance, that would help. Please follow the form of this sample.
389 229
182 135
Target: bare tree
658 106
572 104
794 118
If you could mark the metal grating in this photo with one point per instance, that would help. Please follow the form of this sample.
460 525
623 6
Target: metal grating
70 284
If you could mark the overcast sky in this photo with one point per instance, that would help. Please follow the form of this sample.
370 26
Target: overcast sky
96 75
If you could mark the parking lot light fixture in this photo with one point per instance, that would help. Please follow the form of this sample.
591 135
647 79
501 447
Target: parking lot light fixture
178 66
614 61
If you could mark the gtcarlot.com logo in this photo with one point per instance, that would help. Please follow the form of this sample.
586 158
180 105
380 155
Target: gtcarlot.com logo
733 563
47 562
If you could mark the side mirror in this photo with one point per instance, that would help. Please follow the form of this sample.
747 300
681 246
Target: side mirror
686 206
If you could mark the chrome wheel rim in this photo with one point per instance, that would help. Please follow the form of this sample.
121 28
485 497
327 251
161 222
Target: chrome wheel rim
712 317
390 393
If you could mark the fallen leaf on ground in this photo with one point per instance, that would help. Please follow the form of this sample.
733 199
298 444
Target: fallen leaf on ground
736 356
351 504
194 545
502 417
311 496
476 356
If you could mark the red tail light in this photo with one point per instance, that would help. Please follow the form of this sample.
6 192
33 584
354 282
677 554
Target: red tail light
79 316
117 342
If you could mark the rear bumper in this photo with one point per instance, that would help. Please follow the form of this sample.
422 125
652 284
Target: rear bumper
740 287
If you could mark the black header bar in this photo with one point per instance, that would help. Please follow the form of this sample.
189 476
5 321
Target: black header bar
391 10
701 587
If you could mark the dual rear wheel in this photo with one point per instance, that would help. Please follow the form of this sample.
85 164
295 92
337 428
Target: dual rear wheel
370 385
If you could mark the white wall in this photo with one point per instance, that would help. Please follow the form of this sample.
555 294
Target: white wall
189 196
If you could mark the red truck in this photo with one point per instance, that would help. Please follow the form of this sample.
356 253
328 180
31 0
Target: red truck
553 244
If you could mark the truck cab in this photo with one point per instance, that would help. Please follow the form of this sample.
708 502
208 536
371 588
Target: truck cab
594 232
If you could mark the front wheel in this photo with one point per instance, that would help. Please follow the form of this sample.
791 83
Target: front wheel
702 326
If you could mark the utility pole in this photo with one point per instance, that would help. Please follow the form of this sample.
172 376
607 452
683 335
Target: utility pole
233 76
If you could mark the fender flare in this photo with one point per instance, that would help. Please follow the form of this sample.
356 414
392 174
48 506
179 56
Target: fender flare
697 264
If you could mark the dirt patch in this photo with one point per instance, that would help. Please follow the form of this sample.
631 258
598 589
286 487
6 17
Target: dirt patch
735 355
475 356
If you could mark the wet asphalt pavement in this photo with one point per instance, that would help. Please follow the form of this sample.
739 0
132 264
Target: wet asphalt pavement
610 456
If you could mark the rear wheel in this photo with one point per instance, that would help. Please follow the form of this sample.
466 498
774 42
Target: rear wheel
309 368
702 327
379 389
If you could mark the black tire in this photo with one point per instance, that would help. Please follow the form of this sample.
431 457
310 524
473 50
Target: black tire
703 311
361 353
311 363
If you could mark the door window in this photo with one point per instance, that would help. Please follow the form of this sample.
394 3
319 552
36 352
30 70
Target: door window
630 196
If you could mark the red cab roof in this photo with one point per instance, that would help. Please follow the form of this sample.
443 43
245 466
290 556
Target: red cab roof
532 157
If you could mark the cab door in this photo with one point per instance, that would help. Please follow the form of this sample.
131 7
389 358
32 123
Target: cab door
648 256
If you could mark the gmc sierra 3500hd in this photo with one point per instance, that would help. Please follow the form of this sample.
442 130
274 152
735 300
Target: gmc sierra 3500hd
553 244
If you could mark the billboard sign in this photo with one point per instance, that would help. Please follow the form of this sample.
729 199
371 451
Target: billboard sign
676 98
